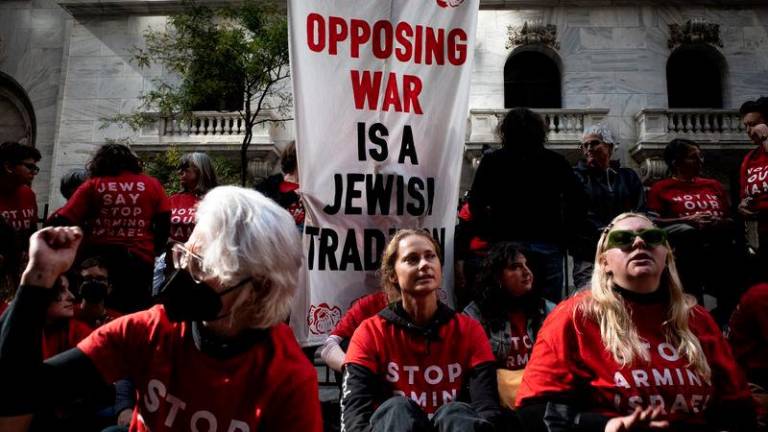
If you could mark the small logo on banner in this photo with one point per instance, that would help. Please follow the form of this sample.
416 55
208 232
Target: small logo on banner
323 318
449 3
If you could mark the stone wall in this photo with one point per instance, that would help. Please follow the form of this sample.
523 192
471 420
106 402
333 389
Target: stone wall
615 56
99 81
33 38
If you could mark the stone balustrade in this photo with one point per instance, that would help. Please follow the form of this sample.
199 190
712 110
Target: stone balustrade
209 130
565 125
715 126
719 133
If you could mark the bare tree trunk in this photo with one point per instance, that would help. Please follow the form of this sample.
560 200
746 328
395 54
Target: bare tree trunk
244 157
246 140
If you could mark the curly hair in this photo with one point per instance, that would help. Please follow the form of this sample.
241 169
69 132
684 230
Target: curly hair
389 257
618 330
112 159
522 129
490 296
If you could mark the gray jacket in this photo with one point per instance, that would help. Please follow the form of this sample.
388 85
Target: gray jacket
501 338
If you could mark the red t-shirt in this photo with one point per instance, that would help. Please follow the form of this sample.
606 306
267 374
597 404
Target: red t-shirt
183 208
569 359
271 386
520 351
754 178
19 209
431 372
749 332
362 309
60 338
294 205
673 198
119 210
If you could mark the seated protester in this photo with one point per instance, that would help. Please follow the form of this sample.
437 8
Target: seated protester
753 193
694 211
511 313
95 286
18 204
749 340
634 351
611 190
216 344
61 332
196 177
284 188
332 350
94 289
418 365
127 219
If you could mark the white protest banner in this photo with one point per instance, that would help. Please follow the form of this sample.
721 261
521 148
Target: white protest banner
380 89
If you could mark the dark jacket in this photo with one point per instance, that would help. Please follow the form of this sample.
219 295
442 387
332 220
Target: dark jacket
526 196
609 193
363 391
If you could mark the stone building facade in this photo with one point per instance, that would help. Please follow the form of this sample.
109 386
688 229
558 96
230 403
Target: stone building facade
65 64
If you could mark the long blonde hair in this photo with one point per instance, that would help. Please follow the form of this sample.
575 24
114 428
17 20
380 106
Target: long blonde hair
618 331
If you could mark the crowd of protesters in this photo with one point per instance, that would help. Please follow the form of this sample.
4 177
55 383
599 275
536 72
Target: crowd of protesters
132 310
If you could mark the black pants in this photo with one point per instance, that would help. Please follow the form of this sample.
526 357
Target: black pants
400 414
710 261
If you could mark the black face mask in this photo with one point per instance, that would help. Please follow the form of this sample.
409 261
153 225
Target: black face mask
187 300
93 291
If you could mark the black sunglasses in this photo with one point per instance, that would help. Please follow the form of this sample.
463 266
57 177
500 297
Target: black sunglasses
31 167
624 239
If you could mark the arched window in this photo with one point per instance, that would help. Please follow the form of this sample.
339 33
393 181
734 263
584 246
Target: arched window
695 76
17 116
531 79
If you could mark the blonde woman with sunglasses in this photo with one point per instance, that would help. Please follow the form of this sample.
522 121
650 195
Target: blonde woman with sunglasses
634 352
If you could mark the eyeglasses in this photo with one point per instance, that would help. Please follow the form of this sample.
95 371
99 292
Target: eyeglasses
183 258
624 239
590 144
34 169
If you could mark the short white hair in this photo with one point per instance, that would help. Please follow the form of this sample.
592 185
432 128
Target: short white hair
247 234
603 132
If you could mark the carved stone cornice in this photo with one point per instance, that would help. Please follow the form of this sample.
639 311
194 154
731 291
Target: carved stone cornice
533 33
694 31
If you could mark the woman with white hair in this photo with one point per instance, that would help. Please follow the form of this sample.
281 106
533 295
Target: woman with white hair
196 177
214 355
634 352
610 189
